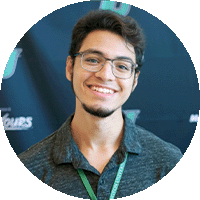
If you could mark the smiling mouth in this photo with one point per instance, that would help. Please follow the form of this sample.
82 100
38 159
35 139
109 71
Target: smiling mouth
102 90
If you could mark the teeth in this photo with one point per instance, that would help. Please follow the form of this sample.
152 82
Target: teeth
102 90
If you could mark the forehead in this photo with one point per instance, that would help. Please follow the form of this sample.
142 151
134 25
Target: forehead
110 44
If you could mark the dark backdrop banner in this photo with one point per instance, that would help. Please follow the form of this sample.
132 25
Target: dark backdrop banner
36 98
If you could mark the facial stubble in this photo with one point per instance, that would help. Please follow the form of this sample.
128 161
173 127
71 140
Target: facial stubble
97 112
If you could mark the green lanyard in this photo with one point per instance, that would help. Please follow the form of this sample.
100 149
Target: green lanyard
115 185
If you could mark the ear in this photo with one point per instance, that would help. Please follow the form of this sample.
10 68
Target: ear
135 81
69 68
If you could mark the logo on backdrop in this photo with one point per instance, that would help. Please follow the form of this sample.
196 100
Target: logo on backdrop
17 123
120 8
12 63
132 114
194 118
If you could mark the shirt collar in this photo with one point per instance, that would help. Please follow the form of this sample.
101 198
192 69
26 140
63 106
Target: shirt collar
130 141
65 149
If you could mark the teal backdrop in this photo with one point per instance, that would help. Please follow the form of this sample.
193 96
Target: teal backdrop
36 98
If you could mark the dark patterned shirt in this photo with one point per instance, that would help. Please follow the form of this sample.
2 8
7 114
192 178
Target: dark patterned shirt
55 161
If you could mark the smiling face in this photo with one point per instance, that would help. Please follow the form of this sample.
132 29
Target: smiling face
101 93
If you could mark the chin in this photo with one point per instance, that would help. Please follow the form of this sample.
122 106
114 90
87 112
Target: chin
98 112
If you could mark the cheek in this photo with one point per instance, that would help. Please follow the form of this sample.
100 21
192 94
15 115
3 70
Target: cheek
128 85
79 77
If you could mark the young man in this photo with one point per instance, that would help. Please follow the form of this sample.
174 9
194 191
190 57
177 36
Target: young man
99 153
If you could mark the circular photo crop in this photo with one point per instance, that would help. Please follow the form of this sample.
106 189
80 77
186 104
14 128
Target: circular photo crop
99 100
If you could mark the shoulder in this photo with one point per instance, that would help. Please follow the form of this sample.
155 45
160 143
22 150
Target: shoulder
158 150
39 154
43 149
43 156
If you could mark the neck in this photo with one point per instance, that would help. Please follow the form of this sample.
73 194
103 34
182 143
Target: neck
97 134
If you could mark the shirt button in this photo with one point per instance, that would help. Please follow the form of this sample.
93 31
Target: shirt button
102 181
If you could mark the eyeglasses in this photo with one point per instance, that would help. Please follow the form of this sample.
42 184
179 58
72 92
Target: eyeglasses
94 62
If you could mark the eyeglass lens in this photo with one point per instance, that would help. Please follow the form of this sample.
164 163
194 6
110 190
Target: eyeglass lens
94 62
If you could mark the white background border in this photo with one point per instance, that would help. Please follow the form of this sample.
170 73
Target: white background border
17 17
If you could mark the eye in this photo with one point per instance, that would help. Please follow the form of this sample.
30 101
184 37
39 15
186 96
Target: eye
92 60
123 66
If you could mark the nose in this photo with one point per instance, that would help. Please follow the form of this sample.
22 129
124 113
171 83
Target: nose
106 73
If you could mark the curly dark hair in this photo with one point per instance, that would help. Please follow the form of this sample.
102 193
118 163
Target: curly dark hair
126 27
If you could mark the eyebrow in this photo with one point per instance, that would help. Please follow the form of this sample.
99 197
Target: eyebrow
93 51
90 50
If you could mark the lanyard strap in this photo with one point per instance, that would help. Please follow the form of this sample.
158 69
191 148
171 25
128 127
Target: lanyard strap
86 184
115 185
